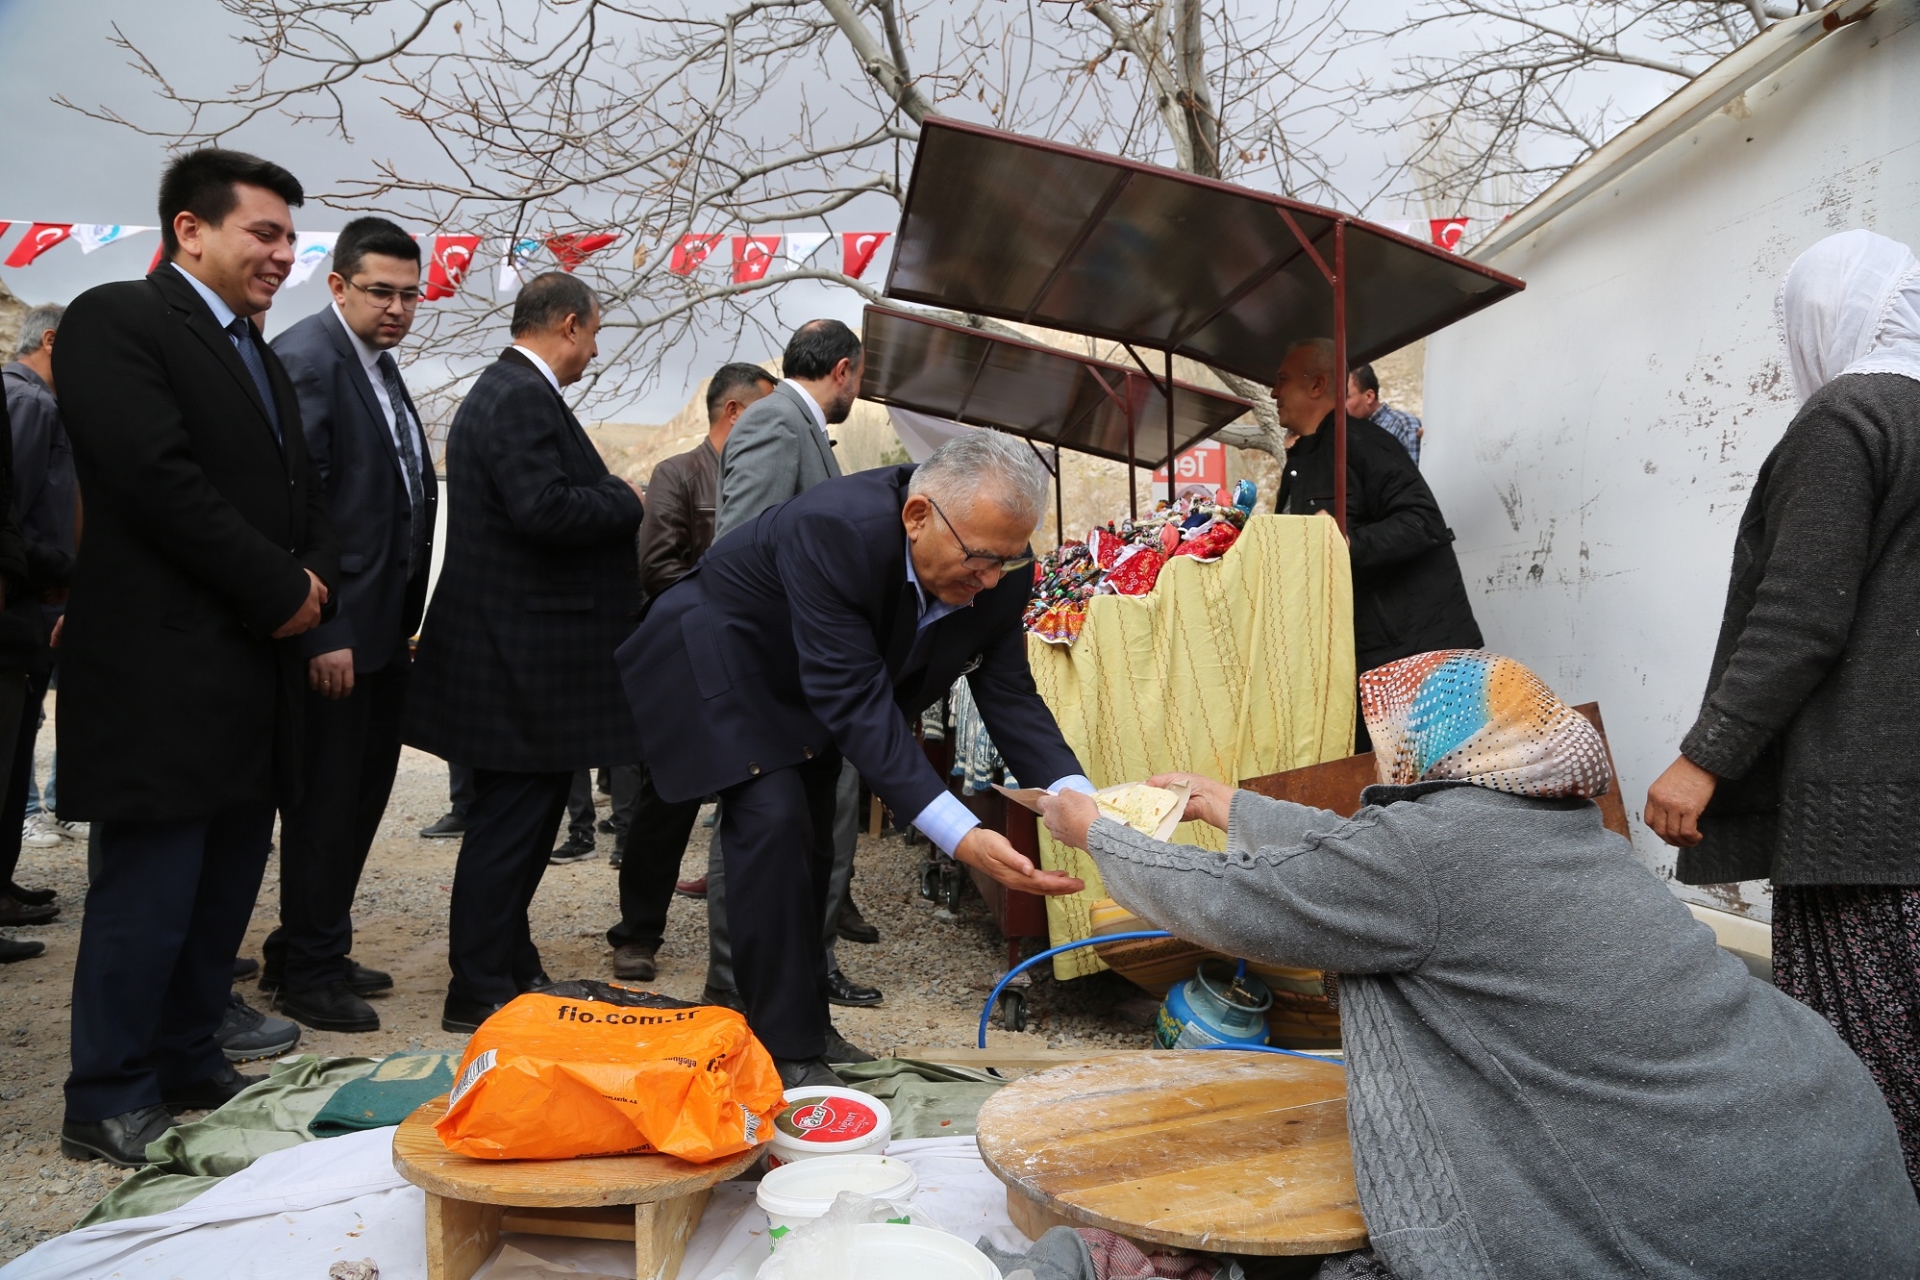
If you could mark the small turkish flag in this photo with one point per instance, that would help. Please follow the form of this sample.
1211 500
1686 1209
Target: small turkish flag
451 257
752 255
572 250
857 249
692 251
1448 232
40 237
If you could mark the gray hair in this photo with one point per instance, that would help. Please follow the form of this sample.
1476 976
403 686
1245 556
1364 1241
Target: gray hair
39 322
989 463
1323 365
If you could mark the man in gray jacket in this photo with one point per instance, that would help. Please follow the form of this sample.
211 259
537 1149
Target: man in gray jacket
778 450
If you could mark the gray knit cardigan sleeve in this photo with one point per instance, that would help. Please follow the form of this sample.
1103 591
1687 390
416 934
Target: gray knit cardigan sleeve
1296 886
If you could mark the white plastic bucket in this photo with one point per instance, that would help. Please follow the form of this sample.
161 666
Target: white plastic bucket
888 1251
798 1193
824 1121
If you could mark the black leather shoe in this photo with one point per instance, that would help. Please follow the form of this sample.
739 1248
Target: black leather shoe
333 1007
841 1049
853 926
807 1073
465 1016
244 967
451 827
360 980
724 998
618 855
14 911
843 990
634 962
538 982
12 949
578 848
210 1094
32 897
120 1140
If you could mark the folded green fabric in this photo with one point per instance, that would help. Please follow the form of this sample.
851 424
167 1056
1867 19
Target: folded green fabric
927 1099
386 1095
269 1116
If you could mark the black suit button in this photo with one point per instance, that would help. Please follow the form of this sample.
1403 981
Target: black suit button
806 753
754 769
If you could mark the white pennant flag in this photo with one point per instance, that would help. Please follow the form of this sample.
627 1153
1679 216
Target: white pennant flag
96 235
801 245
310 249
507 283
1405 226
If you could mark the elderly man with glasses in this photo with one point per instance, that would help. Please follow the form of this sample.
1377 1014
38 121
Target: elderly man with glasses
816 631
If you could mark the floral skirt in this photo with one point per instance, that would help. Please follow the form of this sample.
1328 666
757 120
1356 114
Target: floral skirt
1852 954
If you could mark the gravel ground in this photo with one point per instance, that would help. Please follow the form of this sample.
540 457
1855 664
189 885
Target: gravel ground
935 969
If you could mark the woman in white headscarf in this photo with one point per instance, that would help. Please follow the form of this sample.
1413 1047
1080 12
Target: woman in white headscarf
1804 764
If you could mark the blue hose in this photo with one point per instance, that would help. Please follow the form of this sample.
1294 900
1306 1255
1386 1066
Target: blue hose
986 1011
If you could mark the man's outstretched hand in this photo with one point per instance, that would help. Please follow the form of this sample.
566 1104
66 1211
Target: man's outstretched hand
990 852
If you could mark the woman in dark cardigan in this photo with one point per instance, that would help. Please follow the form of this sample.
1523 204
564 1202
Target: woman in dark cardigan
1804 764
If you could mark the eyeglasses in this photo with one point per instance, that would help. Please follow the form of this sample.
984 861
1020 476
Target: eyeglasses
983 559
384 297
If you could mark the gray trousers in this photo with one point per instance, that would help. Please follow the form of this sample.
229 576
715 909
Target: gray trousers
846 833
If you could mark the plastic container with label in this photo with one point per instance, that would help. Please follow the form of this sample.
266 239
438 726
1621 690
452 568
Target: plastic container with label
824 1121
798 1193
886 1251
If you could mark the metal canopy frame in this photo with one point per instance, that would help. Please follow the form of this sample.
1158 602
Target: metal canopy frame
1022 229
1034 391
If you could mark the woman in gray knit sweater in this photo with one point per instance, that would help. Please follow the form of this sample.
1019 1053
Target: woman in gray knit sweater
1553 1072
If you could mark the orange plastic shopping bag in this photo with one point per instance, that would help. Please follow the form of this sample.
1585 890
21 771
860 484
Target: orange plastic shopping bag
591 1069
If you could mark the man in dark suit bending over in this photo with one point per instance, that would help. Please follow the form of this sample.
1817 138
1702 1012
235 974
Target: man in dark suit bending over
515 674
816 630
366 439
207 552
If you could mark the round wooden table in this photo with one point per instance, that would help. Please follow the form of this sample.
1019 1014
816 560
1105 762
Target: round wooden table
655 1201
1216 1151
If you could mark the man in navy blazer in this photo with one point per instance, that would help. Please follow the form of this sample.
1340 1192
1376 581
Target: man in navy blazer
819 629
365 435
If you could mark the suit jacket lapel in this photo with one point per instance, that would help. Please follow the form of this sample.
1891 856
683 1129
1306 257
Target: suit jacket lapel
362 384
201 324
822 445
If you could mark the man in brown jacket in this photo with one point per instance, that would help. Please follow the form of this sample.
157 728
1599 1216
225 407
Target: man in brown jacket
677 531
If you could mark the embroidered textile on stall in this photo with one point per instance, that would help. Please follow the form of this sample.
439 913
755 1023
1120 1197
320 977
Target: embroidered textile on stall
976 761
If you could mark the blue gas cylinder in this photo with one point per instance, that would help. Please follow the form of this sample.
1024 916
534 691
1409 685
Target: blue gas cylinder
1217 1005
1245 494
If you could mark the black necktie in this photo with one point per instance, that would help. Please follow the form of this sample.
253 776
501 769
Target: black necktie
408 440
241 331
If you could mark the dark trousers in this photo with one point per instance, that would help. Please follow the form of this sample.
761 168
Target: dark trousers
20 699
163 922
654 842
352 750
776 837
459 789
509 837
580 807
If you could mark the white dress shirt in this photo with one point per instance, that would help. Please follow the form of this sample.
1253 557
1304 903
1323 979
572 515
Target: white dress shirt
370 361
546 370
806 397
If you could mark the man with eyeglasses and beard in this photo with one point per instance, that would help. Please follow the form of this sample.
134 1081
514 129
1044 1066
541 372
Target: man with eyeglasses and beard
818 630
364 434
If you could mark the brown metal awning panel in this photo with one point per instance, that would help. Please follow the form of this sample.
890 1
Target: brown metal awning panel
1028 230
1041 393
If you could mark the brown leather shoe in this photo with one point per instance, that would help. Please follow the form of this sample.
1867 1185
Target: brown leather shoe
13 911
691 888
634 962
853 926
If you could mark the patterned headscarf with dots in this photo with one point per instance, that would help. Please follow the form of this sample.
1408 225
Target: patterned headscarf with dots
1471 716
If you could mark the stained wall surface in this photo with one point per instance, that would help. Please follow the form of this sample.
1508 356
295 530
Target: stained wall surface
1593 440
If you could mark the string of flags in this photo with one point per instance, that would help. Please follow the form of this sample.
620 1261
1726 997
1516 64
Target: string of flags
753 256
1446 233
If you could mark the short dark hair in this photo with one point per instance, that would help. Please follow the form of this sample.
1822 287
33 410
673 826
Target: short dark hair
363 236
547 300
1363 374
201 183
817 346
731 378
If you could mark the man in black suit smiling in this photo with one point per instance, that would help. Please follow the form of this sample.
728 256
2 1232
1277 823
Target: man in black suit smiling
366 439
207 553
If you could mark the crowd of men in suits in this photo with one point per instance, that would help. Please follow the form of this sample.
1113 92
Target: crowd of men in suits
226 543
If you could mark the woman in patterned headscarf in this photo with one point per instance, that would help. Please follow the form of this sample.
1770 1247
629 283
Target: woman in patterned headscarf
1803 766
1552 1069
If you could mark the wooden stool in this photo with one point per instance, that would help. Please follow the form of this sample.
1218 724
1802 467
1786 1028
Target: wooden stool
1216 1151
655 1201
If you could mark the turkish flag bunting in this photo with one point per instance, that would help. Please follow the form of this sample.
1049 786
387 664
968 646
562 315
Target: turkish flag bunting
857 249
692 251
40 237
1448 232
752 255
451 257
573 250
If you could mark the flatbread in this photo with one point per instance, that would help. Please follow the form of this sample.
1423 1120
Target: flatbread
1138 805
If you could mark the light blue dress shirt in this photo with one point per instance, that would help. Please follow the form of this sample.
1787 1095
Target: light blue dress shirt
222 313
946 821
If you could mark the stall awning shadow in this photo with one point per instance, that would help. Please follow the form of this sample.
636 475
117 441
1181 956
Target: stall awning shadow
1041 393
1028 230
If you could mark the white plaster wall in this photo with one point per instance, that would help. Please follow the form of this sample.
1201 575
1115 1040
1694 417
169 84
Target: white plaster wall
1592 440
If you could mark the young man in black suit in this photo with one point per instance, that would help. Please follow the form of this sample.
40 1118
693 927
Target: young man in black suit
515 673
207 553
817 630
366 439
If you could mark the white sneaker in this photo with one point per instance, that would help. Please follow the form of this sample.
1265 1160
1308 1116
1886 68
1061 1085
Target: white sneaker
38 832
71 830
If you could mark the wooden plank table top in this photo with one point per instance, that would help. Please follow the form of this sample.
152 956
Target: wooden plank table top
422 1159
1225 1152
